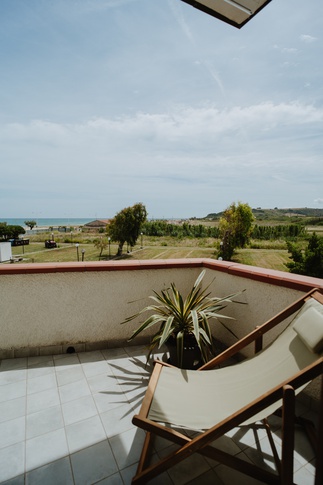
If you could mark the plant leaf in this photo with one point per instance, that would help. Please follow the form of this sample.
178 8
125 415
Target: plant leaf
195 326
167 331
180 347
152 320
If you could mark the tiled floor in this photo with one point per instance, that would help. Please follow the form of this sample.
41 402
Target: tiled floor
66 419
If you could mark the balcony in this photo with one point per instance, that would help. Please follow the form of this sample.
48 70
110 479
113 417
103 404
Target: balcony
66 417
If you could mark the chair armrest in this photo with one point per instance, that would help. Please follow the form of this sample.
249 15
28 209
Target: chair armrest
161 362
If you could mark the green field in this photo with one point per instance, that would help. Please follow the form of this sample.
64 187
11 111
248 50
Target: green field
264 258
267 255
270 254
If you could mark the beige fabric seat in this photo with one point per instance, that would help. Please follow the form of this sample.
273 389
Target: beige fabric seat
222 392
215 400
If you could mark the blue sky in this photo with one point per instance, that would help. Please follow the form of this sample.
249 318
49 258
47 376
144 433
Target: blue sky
105 103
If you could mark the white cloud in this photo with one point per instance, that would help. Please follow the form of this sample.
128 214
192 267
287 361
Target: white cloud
308 39
182 123
149 154
289 50
178 14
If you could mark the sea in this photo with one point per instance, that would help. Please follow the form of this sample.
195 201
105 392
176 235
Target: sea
50 222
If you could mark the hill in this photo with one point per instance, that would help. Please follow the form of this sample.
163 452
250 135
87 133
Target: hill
279 215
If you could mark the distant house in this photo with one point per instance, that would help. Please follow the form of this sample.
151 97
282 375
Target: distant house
97 224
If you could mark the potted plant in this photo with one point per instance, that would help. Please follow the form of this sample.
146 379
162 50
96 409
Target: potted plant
183 322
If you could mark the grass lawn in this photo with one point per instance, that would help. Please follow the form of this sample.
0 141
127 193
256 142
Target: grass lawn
30 248
37 253
272 255
263 258
67 252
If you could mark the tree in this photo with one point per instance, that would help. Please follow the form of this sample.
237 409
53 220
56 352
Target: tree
8 231
31 224
126 225
310 261
3 230
101 244
16 231
235 228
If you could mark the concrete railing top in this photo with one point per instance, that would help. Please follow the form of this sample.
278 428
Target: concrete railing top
274 277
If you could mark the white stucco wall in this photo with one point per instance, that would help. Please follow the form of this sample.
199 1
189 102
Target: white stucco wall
45 309
67 307
259 302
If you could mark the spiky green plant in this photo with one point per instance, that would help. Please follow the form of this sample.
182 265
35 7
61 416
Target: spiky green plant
178 317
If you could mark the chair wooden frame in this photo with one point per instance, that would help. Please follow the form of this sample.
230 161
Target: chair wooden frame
201 443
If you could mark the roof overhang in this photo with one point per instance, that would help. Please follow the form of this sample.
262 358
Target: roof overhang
233 12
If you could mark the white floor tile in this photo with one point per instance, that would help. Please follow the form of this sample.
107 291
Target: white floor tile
94 356
12 431
55 473
12 409
117 420
44 449
69 375
304 452
74 390
311 466
129 473
105 401
41 383
113 354
12 461
13 364
304 477
228 476
91 369
85 433
37 368
112 480
245 436
66 361
40 360
103 383
127 447
12 376
12 391
45 421
188 469
208 478
79 409
19 480
42 400
93 464
127 363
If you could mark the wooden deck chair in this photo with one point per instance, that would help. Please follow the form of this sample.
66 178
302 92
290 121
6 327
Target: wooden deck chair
237 395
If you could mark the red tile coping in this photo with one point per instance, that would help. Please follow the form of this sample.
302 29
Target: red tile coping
269 276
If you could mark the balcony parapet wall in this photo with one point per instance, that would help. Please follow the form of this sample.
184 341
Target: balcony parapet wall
46 308
53 308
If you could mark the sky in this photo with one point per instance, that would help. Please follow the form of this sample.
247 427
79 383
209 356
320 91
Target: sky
106 103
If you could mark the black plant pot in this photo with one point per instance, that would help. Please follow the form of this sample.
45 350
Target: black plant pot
191 353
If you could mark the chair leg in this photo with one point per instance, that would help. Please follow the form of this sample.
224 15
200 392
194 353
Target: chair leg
144 453
272 445
287 464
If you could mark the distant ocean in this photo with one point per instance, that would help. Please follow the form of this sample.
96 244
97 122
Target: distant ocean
51 222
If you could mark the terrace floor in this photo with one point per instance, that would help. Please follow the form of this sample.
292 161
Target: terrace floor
66 419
